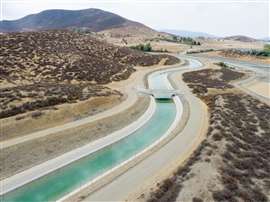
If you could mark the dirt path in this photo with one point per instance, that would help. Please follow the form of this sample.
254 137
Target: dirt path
125 86
256 87
131 99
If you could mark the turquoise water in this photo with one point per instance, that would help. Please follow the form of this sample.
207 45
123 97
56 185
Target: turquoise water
62 181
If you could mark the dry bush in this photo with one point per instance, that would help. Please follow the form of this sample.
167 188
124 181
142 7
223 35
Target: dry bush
245 168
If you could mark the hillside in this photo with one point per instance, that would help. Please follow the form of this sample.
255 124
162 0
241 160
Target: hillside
240 38
94 20
46 68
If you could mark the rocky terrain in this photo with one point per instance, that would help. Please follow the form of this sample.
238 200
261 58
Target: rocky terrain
232 163
42 69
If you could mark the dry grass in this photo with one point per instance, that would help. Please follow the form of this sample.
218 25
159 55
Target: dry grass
21 99
48 68
55 116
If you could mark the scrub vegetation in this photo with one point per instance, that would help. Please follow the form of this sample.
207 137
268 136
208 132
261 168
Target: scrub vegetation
265 52
47 68
148 48
20 99
235 156
200 51
182 40
143 47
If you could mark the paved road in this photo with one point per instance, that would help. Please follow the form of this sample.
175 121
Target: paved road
234 61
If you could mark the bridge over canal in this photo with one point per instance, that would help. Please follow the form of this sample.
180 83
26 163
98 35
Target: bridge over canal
159 93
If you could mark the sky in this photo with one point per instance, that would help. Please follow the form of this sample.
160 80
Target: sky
217 17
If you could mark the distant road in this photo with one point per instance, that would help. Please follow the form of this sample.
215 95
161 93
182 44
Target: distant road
229 60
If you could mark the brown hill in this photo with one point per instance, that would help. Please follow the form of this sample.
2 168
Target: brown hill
94 20
109 26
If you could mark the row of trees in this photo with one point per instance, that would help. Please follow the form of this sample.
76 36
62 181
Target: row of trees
186 40
148 48
143 47
265 52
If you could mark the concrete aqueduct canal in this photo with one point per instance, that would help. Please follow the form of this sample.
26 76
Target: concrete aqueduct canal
68 179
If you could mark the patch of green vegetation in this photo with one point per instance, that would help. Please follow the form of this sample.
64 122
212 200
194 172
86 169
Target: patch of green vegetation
222 64
265 52
182 40
143 47
200 51
267 47
148 48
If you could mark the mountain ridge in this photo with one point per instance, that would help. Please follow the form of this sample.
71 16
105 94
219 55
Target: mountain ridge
94 19
186 33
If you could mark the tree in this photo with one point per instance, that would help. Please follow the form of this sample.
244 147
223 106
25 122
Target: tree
147 47
267 47
175 38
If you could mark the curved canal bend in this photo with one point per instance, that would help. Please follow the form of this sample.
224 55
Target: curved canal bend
61 182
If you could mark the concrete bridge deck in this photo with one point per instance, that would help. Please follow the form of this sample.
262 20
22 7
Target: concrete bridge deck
159 93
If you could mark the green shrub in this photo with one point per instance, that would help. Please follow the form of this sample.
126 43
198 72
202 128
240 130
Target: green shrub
222 64
147 47
267 47
143 47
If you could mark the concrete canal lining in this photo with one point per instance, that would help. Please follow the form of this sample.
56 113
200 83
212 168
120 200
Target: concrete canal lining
38 171
43 169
